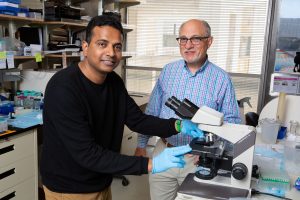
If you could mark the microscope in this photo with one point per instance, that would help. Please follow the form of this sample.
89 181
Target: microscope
225 154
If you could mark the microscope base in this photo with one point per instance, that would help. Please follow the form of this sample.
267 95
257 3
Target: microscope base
192 190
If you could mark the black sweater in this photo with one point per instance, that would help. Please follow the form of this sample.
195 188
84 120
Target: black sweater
83 129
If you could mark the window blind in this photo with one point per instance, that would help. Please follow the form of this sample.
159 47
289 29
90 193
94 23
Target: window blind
238 28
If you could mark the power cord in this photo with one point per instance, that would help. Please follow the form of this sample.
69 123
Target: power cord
254 192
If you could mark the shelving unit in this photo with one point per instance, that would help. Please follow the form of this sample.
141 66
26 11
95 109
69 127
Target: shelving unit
14 22
121 7
81 25
23 57
14 19
48 26
127 3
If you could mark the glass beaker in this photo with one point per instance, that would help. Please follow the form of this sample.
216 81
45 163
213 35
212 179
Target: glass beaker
269 130
36 104
293 127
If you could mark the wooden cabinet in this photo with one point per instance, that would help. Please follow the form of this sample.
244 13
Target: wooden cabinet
19 166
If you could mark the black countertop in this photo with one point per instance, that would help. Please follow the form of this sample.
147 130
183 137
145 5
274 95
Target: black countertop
17 131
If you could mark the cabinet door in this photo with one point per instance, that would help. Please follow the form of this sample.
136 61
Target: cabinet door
129 143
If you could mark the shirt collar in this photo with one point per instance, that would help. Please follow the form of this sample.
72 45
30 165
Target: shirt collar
202 68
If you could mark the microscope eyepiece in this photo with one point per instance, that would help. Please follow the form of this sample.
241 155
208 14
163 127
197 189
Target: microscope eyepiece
173 103
184 109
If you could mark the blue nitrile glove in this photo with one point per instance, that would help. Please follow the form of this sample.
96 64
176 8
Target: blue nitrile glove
191 129
169 158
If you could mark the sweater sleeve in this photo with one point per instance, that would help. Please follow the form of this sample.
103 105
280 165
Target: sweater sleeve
145 124
67 129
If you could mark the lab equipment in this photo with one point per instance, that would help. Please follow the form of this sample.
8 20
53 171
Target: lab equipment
297 183
6 107
241 103
293 127
274 182
292 105
292 156
269 130
281 107
29 99
287 83
3 125
27 120
282 132
224 172
187 110
37 103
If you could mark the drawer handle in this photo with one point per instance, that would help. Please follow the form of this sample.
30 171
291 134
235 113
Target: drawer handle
7 173
9 196
7 149
129 138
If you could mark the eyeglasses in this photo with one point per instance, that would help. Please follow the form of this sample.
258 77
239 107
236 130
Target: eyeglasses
194 40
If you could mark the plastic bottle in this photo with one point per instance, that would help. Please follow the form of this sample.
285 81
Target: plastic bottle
3 125
36 103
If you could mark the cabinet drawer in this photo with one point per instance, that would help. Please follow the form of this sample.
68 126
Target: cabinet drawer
23 191
16 148
129 143
17 172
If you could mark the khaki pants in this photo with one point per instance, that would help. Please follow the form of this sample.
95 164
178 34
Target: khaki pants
103 195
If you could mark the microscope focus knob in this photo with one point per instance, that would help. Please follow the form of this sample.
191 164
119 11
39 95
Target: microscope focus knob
239 171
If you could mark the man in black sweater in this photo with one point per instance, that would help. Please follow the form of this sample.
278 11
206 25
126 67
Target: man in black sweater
86 108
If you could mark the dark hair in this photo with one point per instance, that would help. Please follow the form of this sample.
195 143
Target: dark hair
102 20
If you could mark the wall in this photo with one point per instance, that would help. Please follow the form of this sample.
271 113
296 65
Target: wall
91 7
36 4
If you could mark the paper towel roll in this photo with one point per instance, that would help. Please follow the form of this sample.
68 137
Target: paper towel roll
281 107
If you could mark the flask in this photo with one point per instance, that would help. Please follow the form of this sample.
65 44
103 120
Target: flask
293 127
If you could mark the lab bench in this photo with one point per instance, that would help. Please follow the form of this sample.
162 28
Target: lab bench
19 164
191 190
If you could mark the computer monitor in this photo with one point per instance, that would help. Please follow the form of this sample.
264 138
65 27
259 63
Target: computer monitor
31 35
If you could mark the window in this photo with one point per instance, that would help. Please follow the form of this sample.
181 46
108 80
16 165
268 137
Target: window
238 28
288 38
